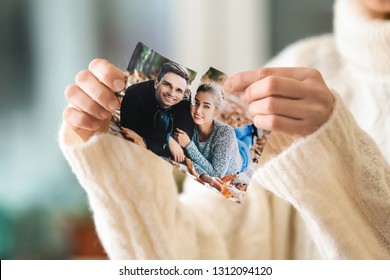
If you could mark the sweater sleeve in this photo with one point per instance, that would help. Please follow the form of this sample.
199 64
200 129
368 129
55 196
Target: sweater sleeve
197 158
138 213
135 204
339 182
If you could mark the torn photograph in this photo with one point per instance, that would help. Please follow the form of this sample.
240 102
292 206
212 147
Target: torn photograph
200 128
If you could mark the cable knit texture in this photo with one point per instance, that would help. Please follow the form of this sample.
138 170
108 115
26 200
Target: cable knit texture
324 196
218 155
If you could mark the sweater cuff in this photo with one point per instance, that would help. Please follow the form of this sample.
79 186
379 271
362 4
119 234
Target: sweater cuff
130 190
190 147
288 166
105 156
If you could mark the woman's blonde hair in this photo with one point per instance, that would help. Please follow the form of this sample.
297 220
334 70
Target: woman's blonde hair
215 90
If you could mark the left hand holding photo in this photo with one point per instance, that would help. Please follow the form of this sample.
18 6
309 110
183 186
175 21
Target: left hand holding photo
92 98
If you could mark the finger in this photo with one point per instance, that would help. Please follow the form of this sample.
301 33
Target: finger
108 74
218 185
96 90
276 105
179 130
82 101
139 142
293 127
274 86
177 158
79 119
126 133
240 81
219 180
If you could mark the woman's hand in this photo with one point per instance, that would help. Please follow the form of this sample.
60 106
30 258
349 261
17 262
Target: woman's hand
212 181
295 101
92 98
182 138
176 151
133 136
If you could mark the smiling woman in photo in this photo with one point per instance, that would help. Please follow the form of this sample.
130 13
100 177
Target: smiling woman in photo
213 147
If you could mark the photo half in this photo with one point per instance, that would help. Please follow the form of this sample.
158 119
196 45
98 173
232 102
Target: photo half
201 129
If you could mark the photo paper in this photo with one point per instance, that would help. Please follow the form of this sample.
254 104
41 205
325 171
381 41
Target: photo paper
201 129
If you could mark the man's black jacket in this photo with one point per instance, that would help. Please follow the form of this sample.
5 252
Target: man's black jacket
140 112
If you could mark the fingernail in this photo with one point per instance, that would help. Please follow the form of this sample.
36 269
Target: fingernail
113 105
119 85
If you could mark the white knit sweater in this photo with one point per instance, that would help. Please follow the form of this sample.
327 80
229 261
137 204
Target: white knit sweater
324 196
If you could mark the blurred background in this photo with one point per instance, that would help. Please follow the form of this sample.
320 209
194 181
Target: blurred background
44 212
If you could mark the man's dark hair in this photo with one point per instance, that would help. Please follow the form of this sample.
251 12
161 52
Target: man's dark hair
173 68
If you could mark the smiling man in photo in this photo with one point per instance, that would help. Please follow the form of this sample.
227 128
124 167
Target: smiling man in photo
152 110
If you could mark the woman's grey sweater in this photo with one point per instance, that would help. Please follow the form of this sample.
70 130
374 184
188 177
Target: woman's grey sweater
218 155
